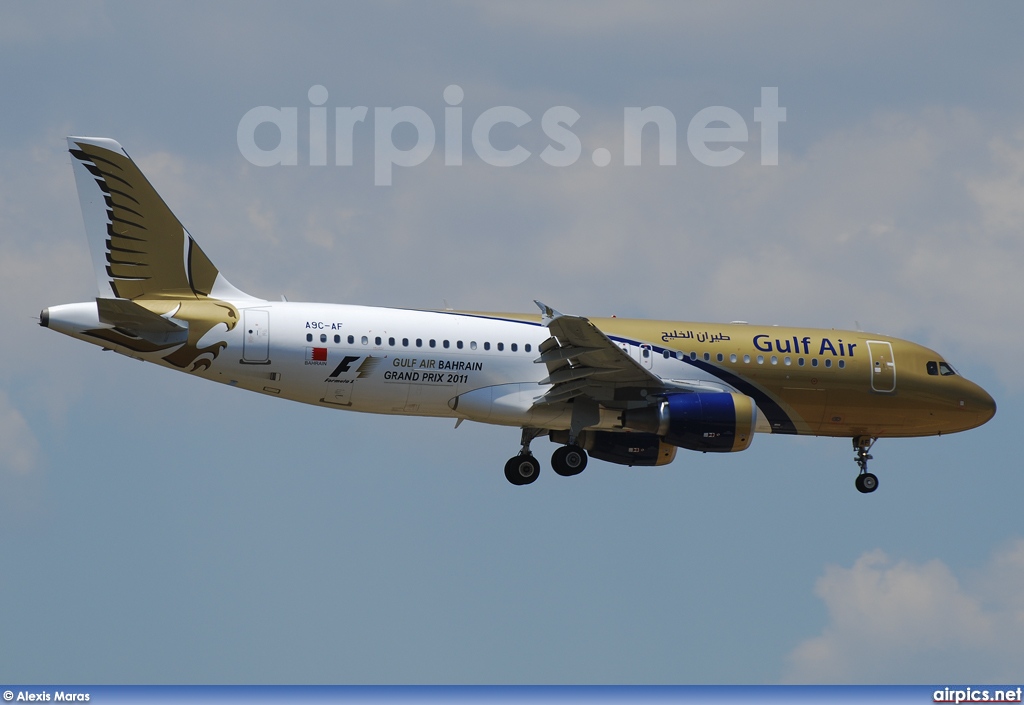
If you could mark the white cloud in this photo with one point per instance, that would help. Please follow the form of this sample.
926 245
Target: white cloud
20 464
19 449
898 621
998 194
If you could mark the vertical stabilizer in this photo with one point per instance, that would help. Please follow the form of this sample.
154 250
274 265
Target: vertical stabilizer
140 251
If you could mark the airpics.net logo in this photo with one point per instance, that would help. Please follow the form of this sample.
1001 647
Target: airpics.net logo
712 134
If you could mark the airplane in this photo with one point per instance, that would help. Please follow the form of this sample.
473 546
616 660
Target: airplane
625 391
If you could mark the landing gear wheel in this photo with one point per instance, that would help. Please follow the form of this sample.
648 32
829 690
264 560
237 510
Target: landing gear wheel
569 460
522 469
867 482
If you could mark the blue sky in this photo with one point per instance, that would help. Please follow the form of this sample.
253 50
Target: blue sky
158 529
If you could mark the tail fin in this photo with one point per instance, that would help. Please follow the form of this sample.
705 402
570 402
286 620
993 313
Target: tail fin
139 248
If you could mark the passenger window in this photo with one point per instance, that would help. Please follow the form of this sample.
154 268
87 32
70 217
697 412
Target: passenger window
842 364
501 346
419 342
746 359
814 362
487 346
472 345
828 362
732 358
405 342
514 347
376 341
351 339
444 344
432 343
760 359
323 337
458 344
391 342
707 357
337 339
526 347
787 361
721 357
775 359
309 337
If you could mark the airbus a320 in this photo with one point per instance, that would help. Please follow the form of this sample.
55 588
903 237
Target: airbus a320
630 392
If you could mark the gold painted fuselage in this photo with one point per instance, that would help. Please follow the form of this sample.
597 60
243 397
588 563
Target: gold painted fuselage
823 382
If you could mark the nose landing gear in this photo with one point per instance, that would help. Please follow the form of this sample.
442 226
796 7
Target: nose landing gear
866 482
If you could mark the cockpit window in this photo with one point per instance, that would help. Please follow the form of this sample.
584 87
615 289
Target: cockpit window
937 367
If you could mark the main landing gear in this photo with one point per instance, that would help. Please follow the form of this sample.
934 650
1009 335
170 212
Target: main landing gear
569 460
522 469
866 481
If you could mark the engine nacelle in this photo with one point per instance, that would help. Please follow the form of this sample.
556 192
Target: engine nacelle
716 422
622 448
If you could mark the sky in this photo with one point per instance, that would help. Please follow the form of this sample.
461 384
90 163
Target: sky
155 528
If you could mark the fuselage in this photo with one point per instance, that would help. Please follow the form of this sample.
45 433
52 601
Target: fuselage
482 366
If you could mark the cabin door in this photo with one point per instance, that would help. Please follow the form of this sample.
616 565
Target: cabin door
256 337
883 366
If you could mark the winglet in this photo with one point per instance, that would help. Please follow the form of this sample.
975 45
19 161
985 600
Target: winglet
548 314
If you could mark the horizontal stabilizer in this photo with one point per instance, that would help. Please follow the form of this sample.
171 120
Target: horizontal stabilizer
139 321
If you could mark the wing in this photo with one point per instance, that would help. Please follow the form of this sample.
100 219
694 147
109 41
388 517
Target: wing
584 362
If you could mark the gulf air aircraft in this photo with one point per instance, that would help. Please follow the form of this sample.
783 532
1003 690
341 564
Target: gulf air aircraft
630 392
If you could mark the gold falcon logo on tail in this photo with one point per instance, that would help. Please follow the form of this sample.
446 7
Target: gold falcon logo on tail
146 258
148 252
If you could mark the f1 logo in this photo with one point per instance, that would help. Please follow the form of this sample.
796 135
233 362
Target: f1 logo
345 366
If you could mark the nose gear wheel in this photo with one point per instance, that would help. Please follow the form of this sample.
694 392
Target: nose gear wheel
866 482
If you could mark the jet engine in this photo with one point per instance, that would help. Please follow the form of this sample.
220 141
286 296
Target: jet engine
622 448
712 422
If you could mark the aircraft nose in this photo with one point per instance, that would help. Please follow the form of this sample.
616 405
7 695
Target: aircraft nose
988 405
977 401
